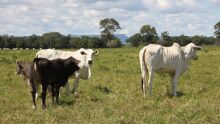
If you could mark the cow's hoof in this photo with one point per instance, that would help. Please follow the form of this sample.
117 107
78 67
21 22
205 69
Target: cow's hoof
34 107
175 94
43 107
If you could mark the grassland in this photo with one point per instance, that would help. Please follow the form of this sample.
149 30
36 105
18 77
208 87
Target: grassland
113 94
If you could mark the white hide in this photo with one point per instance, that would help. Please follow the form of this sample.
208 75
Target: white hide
173 60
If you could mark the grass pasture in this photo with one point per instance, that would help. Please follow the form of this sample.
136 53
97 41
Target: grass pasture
113 94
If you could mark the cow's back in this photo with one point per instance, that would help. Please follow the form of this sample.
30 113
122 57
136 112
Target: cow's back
164 59
49 54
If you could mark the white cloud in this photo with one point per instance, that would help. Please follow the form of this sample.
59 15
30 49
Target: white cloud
215 1
26 17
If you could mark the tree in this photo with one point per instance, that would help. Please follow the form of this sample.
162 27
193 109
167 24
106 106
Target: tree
167 40
182 40
49 39
149 34
5 38
108 26
135 40
74 42
114 43
199 40
217 30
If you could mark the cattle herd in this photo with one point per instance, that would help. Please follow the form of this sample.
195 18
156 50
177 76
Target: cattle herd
51 68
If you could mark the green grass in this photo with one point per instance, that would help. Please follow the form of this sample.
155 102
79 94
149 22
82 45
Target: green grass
113 94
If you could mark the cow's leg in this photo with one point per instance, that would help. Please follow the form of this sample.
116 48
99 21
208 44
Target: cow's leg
174 84
33 93
53 93
144 86
44 93
57 89
143 81
37 90
67 89
76 82
150 81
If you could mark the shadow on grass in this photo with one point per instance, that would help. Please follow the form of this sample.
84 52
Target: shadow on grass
67 102
103 89
179 94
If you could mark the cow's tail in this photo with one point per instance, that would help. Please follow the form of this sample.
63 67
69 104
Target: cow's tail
143 66
32 81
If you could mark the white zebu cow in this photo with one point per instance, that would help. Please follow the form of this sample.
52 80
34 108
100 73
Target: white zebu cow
84 55
173 60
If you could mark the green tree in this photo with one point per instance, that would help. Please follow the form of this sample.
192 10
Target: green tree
217 30
49 39
114 43
34 41
199 40
135 40
182 40
5 38
149 34
108 26
74 42
167 40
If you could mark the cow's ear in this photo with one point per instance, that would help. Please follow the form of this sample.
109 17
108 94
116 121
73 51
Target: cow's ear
19 64
82 53
76 61
96 52
197 48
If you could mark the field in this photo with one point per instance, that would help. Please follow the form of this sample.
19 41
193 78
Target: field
113 94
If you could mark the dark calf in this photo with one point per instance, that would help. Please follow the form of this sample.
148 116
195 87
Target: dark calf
51 72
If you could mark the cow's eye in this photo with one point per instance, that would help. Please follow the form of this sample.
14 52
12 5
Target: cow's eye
83 53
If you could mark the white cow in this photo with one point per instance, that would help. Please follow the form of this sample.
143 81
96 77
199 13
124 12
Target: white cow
173 60
84 55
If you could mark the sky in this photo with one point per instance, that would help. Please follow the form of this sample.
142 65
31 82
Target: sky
82 17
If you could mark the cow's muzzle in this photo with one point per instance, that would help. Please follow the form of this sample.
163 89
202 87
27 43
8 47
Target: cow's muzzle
90 62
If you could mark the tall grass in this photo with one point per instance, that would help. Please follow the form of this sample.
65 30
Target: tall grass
113 94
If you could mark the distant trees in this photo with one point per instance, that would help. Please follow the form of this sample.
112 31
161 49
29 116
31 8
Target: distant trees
167 40
51 40
135 40
146 36
217 30
109 26
149 35
55 40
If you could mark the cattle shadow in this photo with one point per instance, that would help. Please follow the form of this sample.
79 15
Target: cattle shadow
65 102
179 94
103 89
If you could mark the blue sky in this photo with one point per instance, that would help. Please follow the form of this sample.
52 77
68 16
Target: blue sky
189 17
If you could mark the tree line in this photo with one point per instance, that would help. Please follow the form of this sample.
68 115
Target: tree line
56 40
149 35
108 26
